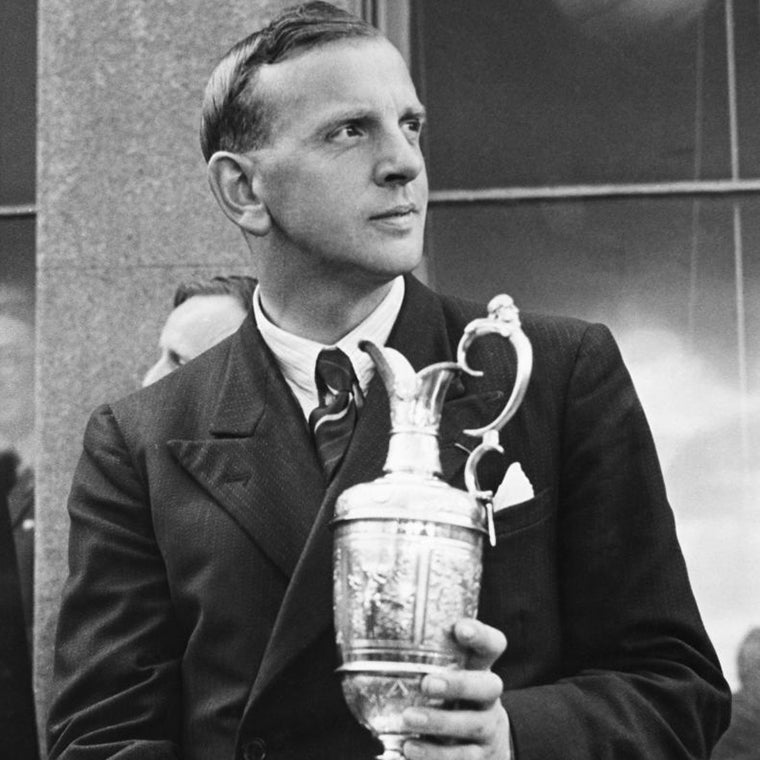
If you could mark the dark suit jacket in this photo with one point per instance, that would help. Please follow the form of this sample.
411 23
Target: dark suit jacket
197 621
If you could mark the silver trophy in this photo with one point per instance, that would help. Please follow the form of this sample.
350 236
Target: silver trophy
407 552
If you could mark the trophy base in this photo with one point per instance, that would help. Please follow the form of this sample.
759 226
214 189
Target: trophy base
393 746
378 699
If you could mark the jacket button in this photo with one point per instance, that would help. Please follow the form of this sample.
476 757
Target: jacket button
256 749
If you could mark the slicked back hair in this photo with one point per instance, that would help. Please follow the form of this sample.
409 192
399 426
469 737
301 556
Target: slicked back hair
234 117
239 286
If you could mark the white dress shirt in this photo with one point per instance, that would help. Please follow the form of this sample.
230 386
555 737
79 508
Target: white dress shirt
297 356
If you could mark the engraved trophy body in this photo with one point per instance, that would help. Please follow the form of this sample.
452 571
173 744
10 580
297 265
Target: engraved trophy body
407 551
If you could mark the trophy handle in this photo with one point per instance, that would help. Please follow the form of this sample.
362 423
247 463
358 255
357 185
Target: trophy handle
503 319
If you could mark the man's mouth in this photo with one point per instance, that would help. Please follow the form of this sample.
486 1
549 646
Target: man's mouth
400 211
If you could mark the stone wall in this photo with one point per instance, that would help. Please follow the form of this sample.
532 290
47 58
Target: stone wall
124 214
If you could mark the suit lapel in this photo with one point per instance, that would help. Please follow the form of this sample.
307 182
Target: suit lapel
307 607
259 464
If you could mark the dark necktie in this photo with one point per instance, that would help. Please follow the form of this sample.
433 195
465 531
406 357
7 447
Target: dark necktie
332 422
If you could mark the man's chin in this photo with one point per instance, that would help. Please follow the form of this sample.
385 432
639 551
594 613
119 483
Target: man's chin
401 259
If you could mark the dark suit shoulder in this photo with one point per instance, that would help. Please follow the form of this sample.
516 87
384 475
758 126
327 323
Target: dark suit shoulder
566 339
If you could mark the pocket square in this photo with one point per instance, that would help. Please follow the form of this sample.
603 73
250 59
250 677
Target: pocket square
515 488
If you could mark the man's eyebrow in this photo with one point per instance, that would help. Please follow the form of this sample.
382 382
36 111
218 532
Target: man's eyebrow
417 112
344 115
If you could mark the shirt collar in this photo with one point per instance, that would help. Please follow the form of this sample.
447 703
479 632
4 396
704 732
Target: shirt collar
297 356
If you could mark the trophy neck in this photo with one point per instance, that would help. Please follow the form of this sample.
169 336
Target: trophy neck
413 446
414 452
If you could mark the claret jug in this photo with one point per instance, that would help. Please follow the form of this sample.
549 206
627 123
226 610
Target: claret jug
407 549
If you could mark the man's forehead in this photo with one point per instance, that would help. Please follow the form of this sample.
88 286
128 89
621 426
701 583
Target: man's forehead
339 75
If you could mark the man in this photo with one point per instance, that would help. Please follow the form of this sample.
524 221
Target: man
197 618
205 312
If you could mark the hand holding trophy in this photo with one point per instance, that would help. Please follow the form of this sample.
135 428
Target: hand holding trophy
407 557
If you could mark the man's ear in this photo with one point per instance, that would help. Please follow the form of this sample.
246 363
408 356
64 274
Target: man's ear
231 178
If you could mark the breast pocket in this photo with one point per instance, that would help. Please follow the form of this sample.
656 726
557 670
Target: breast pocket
523 515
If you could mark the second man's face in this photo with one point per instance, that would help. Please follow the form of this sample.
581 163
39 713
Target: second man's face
192 328
342 175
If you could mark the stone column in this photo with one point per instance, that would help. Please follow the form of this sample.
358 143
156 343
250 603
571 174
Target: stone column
124 214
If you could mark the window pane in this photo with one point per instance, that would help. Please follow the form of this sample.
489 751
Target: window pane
747 35
545 96
661 274
18 38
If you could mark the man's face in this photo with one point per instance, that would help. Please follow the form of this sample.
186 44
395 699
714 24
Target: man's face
342 174
192 328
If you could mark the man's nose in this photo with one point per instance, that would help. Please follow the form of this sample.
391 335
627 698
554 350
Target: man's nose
399 159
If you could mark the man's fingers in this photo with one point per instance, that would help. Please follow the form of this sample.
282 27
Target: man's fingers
472 722
484 643
477 687
457 733
473 726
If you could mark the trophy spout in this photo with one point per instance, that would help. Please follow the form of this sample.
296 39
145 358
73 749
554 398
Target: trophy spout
416 400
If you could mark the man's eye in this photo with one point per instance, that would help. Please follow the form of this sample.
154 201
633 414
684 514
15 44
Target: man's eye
413 127
176 359
347 131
